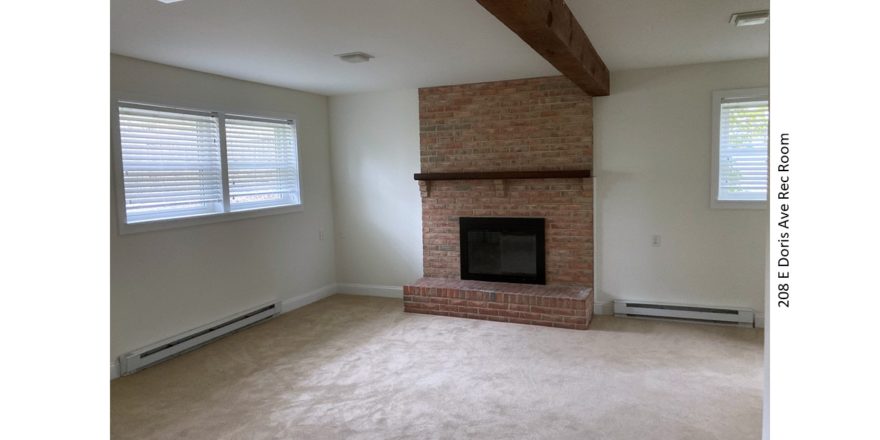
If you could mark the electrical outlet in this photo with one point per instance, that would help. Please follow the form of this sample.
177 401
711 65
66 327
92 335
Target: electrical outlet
655 241
321 234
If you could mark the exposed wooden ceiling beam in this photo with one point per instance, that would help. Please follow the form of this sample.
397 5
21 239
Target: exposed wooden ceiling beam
549 27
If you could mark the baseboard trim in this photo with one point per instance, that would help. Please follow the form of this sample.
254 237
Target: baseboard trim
114 370
603 308
305 299
371 290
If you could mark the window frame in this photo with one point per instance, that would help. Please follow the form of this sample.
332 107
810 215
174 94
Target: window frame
757 93
228 191
124 228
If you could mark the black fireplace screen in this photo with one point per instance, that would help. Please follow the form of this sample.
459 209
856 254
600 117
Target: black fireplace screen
502 249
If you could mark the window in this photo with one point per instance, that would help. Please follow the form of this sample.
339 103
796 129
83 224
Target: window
170 164
740 148
176 165
262 164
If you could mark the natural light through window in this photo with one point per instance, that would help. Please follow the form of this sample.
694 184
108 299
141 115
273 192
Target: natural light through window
740 154
262 163
179 164
170 164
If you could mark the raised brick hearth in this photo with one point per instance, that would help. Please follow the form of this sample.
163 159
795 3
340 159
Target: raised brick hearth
552 306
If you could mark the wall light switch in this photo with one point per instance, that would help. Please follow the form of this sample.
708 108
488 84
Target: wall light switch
655 241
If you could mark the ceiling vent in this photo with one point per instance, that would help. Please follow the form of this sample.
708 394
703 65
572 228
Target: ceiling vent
355 57
751 18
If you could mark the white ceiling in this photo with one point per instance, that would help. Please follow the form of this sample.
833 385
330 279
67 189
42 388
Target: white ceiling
417 43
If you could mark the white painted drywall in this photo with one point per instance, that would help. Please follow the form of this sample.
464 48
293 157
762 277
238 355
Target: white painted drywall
170 281
652 162
375 151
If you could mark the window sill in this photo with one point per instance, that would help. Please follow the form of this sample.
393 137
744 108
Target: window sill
159 225
734 204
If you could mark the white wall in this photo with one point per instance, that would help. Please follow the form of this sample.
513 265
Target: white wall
652 163
375 151
166 282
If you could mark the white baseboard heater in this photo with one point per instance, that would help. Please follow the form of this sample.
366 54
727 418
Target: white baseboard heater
717 315
175 345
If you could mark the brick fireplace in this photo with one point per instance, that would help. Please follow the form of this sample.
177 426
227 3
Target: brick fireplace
529 125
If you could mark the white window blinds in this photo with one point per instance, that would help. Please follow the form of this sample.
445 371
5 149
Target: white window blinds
262 163
170 163
742 149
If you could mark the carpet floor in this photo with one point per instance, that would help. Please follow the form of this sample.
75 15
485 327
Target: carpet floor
352 367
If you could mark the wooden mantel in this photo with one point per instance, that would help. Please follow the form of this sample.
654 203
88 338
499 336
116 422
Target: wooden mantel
504 175
500 177
549 27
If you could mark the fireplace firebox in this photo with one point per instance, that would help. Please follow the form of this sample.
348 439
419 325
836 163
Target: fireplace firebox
502 249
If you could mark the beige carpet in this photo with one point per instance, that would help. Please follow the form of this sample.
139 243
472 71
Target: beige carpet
359 368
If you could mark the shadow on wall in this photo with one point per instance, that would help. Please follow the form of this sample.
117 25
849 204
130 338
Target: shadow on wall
383 209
